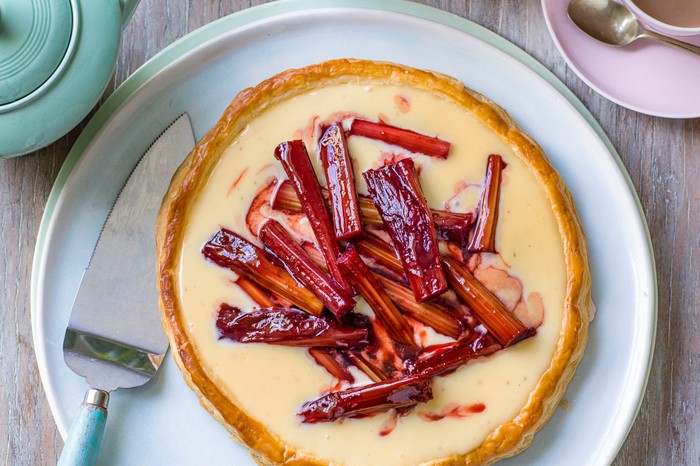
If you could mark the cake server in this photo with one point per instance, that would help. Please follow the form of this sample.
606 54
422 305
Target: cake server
114 337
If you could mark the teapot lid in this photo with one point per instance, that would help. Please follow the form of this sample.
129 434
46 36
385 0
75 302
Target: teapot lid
35 36
56 58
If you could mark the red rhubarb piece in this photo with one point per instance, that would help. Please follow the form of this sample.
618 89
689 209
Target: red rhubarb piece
360 360
227 249
333 361
261 297
285 199
314 254
369 399
384 358
370 289
451 226
296 162
381 252
341 183
409 140
368 211
445 358
487 308
440 318
288 327
397 194
276 239
484 237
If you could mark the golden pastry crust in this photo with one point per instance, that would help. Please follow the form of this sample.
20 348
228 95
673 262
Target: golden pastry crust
266 448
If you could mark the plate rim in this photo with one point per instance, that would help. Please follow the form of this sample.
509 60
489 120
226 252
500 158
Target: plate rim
548 14
200 36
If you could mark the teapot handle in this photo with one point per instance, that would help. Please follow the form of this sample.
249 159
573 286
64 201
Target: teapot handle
127 8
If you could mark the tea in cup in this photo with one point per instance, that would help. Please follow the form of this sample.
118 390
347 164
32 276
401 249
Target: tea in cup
672 17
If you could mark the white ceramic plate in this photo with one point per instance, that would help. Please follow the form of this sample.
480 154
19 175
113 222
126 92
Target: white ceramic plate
162 423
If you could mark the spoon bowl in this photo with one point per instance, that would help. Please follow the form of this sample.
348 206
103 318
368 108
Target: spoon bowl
604 20
613 24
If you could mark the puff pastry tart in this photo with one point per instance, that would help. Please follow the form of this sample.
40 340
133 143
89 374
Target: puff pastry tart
368 264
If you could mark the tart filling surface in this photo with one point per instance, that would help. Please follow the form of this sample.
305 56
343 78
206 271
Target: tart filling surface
487 409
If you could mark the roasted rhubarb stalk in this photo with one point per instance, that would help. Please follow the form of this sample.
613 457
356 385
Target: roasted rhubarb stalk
314 254
286 199
341 183
397 194
487 308
333 361
368 212
256 293
440 318
484 237
442 359
362 362
409 140
451 226
287 327
276 239
384 358
296 162
229 250
384 309
369 399
381 252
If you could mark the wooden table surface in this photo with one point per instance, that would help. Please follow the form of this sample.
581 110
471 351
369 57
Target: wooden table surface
661 155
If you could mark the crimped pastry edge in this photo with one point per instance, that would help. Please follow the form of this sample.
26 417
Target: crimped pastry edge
268 449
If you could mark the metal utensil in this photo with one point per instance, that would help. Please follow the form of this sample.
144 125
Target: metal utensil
612 23
114 337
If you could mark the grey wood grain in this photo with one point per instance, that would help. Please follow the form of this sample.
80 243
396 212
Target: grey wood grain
662 156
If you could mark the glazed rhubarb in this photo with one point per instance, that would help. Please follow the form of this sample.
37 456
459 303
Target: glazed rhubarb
368 399
302 267
484 237
296 162
440 318
261 297
409 140
451 226
396 192
442 359
340 182
384 309
366 365
334 361
487 308
227 249
287 327
381 252
285 199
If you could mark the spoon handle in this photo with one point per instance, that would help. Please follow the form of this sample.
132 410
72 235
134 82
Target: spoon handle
671 41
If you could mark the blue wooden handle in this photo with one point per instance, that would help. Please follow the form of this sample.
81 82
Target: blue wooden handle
85 436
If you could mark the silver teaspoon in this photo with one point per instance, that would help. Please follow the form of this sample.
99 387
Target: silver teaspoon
613 24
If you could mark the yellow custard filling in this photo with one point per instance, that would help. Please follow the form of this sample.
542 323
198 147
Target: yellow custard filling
271 383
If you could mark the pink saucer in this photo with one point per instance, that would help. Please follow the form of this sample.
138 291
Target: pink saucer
645 76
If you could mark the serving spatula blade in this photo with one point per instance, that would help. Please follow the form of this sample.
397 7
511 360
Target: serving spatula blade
114 337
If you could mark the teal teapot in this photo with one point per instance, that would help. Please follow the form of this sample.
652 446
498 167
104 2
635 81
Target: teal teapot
56 57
